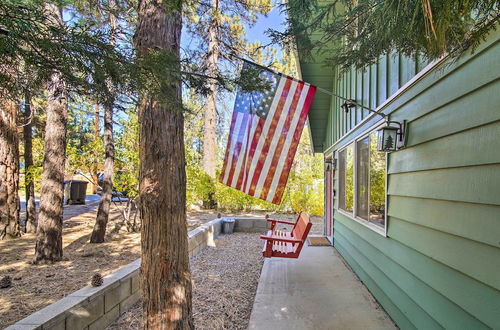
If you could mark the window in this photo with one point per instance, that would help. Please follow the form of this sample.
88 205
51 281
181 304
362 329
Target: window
363 169
362 173
377 183
346 173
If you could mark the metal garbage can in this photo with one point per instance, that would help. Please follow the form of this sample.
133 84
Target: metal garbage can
75 191
228 225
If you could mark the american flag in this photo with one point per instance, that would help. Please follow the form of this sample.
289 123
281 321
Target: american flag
264 135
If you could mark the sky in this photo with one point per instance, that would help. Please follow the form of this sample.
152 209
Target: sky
274 20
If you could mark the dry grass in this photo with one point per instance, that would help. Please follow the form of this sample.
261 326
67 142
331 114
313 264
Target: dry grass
225 280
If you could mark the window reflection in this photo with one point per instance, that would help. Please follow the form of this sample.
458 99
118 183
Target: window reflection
377 182
363 160
346 179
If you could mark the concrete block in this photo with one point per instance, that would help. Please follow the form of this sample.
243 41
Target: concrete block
19 326
136 282
90 292
194 232
243 225
51 314
192 244
217 228
108 318
250 225
196 250
129 301
124 271
115 296
200 237
59 325
82 316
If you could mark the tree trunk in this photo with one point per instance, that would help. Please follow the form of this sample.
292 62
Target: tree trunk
103 211
97 136
28 163
165 275
49 232
210 117
9 170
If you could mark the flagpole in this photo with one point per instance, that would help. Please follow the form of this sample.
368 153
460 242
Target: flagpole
348 101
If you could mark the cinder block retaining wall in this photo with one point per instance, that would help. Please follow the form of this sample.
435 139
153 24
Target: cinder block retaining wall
97 307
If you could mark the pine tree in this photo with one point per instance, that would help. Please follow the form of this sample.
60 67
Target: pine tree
9 168
103 211
358 32
167 297
221 27
31 221
389 143
49 233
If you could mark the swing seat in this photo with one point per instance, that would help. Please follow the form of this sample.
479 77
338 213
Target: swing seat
283 243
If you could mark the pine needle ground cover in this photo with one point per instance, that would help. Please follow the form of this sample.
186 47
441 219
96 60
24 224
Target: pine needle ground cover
34 287
225 279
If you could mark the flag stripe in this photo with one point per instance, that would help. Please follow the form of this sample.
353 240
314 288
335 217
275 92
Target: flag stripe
244 143
266 170
255 138
285 132
293 148
288 143
268 135
258 143
238 147
232 152
243 169
228 147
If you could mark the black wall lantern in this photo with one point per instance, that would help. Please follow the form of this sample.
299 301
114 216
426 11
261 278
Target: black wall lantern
348 104
391 137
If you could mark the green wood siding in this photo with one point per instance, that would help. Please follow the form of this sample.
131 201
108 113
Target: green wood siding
439 265
369 87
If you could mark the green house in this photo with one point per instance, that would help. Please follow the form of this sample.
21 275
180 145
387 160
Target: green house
420 226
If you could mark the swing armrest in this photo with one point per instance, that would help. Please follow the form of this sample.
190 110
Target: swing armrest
281 221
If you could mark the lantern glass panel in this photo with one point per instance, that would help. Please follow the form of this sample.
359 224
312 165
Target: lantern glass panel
387 139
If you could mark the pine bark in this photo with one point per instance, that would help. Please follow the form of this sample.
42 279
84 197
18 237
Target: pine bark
30 226
210 118
210 115
165 274
49 232
9 170
97 130
99 231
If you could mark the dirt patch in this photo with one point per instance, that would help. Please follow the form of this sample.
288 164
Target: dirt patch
225 280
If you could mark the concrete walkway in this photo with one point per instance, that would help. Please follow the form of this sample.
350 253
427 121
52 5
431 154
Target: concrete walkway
315 291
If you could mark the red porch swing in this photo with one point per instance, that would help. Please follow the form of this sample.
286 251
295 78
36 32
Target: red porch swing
286 244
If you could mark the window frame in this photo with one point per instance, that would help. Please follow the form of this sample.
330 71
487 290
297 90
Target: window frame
353 215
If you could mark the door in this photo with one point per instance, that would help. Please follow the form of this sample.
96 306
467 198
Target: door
328 218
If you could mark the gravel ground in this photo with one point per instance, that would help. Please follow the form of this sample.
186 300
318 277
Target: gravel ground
225 280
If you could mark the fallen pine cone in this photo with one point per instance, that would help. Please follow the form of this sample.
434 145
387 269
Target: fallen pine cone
97 280
5 282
